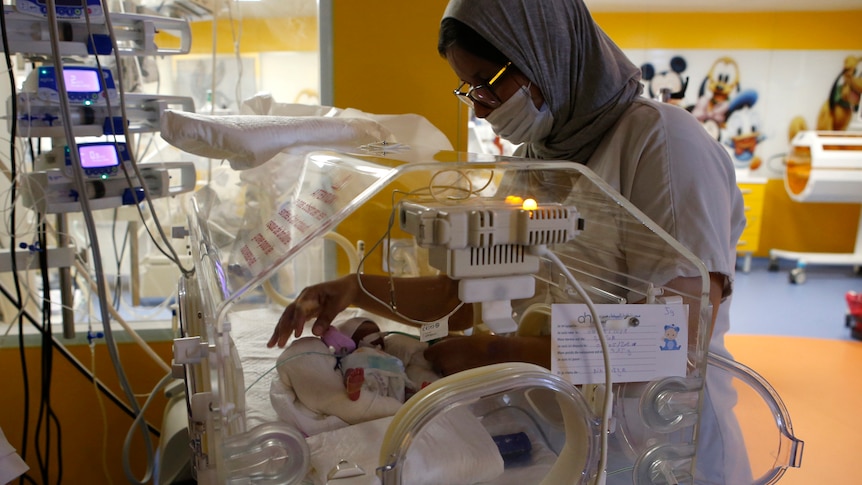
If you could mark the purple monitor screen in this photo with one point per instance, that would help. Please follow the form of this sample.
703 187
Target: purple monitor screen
98 156
81 80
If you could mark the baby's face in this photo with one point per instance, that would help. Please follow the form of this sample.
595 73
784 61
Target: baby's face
370 332
670 334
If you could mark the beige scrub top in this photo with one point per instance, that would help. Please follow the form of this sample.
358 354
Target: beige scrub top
662 160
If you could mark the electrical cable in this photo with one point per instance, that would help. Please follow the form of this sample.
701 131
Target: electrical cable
103 413
24 314
236 36
88 217
118 257
278 364
607 405
119 319
173 257
139 419
13 175
46 413
392 305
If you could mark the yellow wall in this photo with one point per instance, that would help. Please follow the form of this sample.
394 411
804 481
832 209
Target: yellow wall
77 409
749 30
805 227
256 35
387 62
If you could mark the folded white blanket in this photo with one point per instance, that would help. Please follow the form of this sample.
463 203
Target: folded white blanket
249 140
291 410
453 449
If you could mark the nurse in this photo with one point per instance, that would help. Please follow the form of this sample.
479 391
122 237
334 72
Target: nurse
544 75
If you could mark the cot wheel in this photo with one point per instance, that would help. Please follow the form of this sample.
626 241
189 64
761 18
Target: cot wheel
797 276
773 265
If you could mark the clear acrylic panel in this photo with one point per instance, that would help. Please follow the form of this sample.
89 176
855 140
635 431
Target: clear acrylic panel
288 211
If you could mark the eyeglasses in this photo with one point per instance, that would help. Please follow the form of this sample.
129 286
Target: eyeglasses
482 94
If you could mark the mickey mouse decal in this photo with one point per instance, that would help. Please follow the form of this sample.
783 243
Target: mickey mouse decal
668 86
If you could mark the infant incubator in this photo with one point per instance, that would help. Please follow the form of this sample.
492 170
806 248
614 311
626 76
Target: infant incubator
540 248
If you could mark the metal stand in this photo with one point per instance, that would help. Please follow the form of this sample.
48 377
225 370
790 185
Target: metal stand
797 274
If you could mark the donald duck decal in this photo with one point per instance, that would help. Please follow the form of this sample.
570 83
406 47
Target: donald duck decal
742 130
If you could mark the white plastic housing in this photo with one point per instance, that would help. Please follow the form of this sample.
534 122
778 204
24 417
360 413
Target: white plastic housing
481 223
825 167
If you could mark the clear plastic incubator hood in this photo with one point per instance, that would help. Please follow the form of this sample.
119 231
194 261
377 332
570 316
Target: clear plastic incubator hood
541 248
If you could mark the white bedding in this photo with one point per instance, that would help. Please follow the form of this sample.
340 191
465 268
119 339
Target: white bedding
251 329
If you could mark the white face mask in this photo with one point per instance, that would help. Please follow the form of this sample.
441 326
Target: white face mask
519 121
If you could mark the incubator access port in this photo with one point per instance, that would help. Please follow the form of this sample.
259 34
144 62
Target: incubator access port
272 453
670 403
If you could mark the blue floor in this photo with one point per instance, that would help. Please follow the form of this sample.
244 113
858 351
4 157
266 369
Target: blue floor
766 303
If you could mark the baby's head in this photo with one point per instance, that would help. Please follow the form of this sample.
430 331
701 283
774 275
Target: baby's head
364 332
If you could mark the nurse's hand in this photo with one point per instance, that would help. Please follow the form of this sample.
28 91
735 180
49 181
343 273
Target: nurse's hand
456 354
323 301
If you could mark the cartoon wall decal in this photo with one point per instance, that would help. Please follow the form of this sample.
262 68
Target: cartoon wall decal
670 81
714 95
743 130
842 101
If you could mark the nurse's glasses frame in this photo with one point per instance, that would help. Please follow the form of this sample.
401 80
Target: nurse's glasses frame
481 94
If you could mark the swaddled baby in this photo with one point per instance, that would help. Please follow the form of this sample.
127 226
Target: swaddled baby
366 336
310 372
346 378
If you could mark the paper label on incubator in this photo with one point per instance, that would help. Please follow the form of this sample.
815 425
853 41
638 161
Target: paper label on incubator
433 331
645 342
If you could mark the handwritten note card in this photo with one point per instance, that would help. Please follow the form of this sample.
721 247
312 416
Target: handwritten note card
645 342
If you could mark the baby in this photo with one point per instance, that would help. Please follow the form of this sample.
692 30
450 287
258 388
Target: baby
353 373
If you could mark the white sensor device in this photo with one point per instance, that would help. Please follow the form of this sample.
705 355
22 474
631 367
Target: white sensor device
485 244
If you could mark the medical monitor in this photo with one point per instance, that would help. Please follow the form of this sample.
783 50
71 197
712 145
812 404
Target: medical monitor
85 85
99 160
65 9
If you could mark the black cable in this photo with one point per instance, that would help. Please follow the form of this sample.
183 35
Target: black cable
173 256
118 257
28 478
32 151
45 410
43 456
117 280
59 448
13 133
59 347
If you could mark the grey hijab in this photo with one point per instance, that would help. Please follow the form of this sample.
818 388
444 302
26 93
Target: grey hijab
586 79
